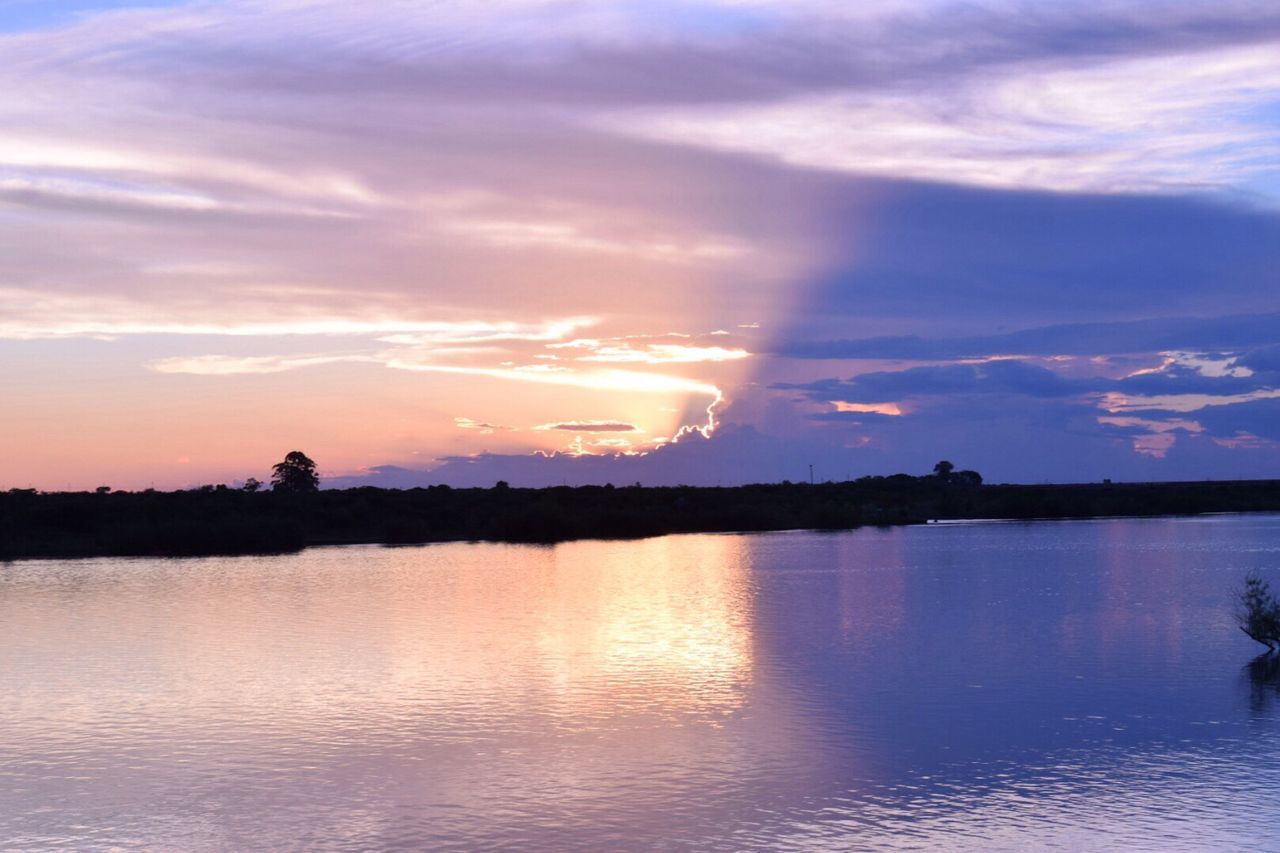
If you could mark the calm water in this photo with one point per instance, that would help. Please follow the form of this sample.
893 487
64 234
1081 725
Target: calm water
986 686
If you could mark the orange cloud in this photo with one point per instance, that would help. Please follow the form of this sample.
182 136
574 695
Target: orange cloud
590 426
892 409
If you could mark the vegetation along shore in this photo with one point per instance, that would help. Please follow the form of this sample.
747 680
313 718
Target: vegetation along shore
220 520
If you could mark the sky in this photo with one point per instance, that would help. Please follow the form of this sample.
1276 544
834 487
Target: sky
565 241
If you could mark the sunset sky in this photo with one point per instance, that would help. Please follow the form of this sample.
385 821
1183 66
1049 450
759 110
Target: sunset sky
552 242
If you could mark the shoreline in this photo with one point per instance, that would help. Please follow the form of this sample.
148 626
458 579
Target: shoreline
209 521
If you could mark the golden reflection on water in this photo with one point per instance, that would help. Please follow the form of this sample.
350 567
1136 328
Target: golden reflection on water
665 623
584 630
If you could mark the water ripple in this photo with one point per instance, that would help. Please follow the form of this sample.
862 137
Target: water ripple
961 687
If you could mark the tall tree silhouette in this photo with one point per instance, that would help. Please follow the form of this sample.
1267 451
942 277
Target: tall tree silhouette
297 473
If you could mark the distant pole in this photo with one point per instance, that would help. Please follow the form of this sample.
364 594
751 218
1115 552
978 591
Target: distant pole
811 474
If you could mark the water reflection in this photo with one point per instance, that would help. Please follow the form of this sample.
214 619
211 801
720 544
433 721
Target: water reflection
961 686
1263 673
446 694
667 628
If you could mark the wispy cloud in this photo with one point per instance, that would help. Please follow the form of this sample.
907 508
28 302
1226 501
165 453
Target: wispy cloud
1183 403
891 409
1165 111
482 427
27 314
636 349
589 426
1153 437
1081 339
546 234
226 365
615 381
1149 406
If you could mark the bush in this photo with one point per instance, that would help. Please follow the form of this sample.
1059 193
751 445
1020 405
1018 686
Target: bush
1258 612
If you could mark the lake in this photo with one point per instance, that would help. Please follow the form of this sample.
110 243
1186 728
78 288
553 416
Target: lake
1051 685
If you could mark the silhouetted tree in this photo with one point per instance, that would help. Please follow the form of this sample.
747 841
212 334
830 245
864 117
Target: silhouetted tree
943 470
966 478
297 473
1258 612
251 485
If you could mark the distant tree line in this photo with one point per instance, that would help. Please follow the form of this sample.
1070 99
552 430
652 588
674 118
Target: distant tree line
294 513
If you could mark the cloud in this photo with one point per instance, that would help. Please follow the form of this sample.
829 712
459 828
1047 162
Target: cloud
448 187
1203 334
1012 376
482 427
611 444
1152 438
577 237
1262 359
1148 407
995 377
634 350
473 331
1073 98
1182 403
27 314
590 426
892 410
226 365
1258 417
737 454
428 137
957 267
734 455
